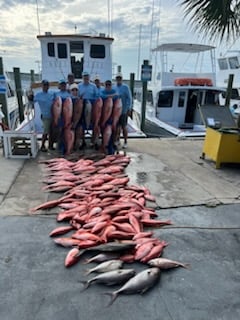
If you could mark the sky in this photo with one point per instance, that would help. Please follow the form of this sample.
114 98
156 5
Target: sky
136 26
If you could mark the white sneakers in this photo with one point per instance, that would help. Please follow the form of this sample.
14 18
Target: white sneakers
124 145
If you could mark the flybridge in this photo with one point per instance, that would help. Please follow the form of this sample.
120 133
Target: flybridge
63 54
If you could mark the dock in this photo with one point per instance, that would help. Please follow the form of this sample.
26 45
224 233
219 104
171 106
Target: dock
203 204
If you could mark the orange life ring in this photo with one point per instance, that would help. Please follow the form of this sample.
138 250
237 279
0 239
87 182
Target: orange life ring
193 82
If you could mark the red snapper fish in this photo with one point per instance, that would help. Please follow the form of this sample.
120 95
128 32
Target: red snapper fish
60 230
107 132
49 204
57 110
72 257
67 242
67 111
116 112
106 112
77 112
96 116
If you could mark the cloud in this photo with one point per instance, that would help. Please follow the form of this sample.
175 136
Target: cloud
133 25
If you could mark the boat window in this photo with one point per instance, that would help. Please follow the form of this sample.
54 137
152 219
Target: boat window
210 97
10 92
233 62
138 95
165 99
77 57
76 46
51 50
97 51
234 95
222 63
62 50
181 99
149 97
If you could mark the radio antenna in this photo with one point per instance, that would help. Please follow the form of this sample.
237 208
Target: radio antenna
38 21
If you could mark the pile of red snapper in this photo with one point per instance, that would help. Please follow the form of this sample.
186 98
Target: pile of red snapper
105 213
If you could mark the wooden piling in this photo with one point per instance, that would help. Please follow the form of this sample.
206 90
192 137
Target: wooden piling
229 90
3 98
144 100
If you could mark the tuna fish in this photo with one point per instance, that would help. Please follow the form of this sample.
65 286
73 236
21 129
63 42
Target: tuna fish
106 266
114 246
164 263
140 283
88 113
101 257
111 278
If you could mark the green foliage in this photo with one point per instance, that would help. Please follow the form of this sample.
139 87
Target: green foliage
216 19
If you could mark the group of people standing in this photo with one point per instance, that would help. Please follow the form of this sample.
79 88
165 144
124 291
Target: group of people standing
69 113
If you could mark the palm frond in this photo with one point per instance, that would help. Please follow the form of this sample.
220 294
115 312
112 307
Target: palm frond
217 19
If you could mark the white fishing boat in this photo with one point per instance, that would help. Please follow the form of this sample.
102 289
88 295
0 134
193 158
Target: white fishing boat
230 64
183 98
7 89
62 54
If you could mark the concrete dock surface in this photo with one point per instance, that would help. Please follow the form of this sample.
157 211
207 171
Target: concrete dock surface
203 204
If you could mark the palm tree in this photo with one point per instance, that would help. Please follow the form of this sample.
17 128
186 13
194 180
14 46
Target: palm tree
217 19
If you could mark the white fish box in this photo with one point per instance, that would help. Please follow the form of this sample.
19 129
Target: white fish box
19 145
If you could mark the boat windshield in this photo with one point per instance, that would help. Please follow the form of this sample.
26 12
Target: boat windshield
165 99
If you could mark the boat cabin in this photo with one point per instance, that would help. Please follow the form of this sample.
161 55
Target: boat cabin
182 86
64 54
230 65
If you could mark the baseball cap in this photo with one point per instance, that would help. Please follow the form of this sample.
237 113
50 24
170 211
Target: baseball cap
62 81
119 75
45 81
96 77
73 86
85 73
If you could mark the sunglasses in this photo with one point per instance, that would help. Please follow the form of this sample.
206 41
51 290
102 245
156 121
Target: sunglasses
108 84
75 89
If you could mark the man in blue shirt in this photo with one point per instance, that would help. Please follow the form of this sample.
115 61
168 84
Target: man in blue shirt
62 92
45 100
88 90
98 84
126 97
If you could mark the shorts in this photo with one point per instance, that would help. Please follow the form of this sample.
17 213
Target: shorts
123 120
82 122
46 125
